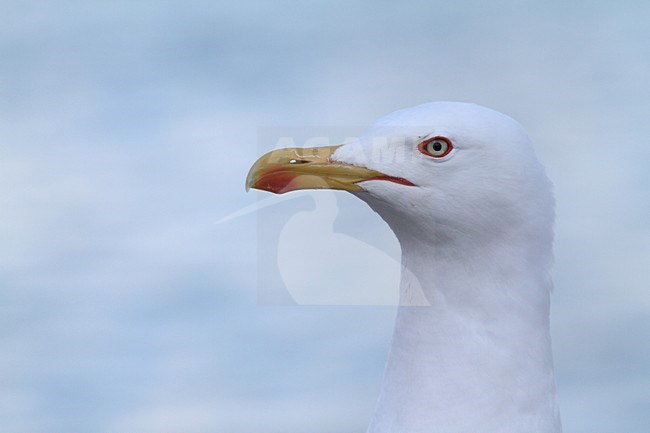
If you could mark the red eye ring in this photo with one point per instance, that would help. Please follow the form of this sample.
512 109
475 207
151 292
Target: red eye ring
436 147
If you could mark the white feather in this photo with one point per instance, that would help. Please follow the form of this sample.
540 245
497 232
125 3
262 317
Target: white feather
476 234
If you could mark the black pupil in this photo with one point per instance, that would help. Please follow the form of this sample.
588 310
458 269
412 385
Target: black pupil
437 146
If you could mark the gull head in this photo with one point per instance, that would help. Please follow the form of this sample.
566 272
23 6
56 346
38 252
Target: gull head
441 171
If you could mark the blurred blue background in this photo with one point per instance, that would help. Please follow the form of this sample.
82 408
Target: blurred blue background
127 129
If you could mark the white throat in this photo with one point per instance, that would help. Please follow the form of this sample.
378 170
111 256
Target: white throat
478 359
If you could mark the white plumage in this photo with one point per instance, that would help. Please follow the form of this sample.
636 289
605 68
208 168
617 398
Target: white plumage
476 232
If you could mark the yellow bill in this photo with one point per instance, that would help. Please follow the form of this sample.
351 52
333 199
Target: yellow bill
293 169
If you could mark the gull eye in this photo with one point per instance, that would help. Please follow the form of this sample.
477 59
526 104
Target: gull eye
436 147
